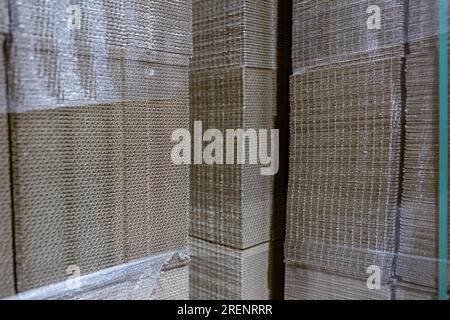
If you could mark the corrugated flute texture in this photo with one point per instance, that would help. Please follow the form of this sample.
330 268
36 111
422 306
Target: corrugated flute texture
419 220
220 272
330 31
238 33
418 262
335 229
6 245
344 166
232 204
239 49
96 90
346 146
317 285
84 189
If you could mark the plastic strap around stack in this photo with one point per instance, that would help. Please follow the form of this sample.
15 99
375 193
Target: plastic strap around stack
145 279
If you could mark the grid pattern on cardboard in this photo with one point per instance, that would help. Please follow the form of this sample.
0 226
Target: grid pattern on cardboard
101 25
6 245
238 47
344 166
92 113
419 216
307 284
220 272
238 33
232 204
330 31
95 187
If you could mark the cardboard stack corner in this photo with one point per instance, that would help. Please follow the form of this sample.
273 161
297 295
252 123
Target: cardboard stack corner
235 75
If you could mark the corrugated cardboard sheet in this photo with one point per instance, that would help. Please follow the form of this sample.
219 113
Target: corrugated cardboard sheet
238 33
239 48
419 216
95 91
232 204
307 284
330 31
6 243
220 272
364 169
345 153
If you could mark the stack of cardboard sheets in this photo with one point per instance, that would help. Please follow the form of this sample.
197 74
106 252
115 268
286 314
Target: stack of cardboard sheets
234 85
228 198
345 155
363 182
240 33
330 31
95 94
219 272
6 243
418 260
346 131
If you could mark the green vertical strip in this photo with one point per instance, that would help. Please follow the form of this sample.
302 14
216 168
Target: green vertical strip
443 148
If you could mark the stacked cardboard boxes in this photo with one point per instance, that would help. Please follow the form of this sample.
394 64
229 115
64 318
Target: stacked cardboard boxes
235 75
346 133
418 260
96 90
364 170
